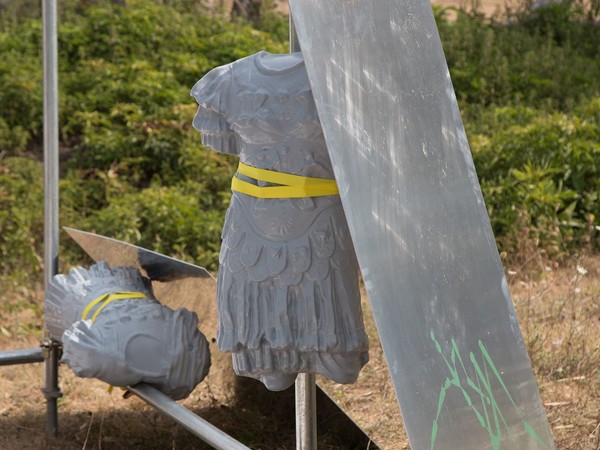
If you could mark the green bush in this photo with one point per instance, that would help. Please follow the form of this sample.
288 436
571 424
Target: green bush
125 118
541 173
21 88
524 60
133 168
21 218
12 138
166 220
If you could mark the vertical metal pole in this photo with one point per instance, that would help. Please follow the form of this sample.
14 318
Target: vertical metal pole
306 390
50 50
306 412
294 44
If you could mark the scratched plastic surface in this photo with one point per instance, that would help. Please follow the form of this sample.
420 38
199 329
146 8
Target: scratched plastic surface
419 225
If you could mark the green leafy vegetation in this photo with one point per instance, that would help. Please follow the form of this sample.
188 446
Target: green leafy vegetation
528 84
132 167
540 176
524 58
21 217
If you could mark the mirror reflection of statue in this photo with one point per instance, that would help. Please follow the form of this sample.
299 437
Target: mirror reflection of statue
288 294
113 328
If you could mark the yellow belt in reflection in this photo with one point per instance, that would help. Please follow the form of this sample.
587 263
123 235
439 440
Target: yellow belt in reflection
105 299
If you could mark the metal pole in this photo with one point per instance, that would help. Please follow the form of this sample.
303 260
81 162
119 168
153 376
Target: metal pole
306 390
200 427
294 44
306 412
30 355
50 50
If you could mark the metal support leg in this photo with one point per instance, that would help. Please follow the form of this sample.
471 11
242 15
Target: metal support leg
50 44
306 412
52 350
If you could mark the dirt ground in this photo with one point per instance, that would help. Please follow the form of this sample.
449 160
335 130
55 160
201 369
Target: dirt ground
559 313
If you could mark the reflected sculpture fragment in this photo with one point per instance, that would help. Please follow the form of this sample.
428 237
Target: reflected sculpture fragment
288 295
112 328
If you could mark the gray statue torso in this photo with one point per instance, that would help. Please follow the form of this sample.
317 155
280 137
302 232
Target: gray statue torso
287 290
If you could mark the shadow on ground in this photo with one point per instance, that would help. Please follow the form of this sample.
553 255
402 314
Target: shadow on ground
259 418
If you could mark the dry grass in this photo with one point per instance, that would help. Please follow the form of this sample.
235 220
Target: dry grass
559 312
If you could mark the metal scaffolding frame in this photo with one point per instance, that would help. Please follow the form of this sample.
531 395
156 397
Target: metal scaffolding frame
49 350
51 347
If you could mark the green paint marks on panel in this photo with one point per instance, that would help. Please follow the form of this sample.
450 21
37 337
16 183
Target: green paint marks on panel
477 392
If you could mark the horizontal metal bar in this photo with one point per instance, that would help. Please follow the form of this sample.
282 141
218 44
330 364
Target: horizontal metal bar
198 426
30 355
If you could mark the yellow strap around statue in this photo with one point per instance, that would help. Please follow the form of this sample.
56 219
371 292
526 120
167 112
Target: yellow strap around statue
105 300
291 186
